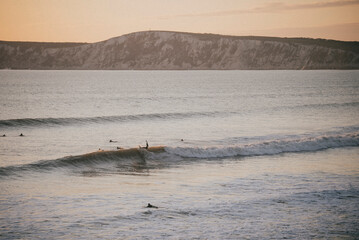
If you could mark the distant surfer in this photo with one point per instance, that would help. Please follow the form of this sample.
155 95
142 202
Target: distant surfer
119 148
21 135
151 206
182 140
113 141
144 147
4 135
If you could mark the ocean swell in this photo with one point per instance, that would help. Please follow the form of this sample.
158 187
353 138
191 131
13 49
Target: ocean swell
40 122
131 160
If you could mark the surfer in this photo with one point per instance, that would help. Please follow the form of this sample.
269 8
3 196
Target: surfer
4 135
21 135
112 141
151 206
139 146
144 147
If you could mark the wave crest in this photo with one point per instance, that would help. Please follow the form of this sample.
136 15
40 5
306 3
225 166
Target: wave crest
139 161
270 147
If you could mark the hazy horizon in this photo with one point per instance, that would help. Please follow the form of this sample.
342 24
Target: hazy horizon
94 20
264 36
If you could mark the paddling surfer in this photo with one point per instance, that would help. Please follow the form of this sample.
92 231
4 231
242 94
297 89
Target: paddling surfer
151 206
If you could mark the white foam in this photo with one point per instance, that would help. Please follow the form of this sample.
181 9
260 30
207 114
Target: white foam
270 147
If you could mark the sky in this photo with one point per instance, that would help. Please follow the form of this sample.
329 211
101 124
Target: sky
98 20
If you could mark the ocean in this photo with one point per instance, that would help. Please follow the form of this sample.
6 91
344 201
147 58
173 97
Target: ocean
232 154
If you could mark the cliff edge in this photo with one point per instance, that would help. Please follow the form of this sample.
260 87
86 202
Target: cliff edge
161 50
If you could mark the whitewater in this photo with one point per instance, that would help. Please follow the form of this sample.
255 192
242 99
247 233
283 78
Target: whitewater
232 154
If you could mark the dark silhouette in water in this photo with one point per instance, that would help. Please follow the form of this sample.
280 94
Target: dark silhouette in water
144 147
151 206
112 141
21 135
4 135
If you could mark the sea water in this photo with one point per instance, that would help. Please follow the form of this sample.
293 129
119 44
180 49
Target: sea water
247 154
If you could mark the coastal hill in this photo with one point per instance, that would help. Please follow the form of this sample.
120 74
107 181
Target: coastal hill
152 50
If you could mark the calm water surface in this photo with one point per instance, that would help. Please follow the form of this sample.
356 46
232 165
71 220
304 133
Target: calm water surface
265 154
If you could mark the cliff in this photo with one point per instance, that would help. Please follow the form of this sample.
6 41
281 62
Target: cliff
175 50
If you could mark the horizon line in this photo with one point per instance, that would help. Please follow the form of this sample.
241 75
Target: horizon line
184 32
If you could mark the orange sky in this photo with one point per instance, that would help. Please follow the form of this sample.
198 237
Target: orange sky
97 20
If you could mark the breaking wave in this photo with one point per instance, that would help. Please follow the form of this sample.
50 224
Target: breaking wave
138 161
271 147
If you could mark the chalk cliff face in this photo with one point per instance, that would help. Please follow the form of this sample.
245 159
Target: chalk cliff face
173 50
